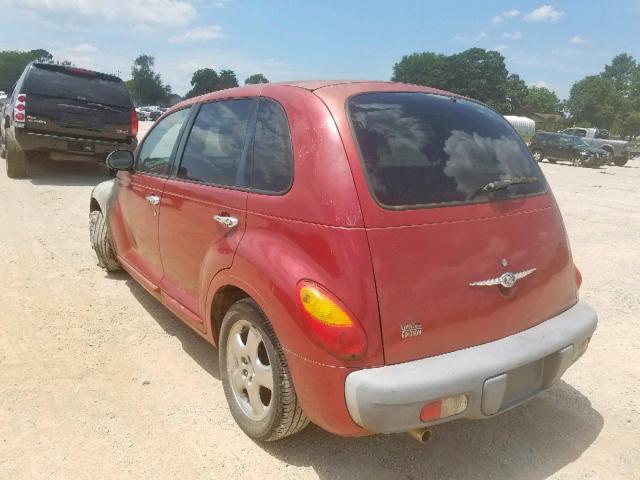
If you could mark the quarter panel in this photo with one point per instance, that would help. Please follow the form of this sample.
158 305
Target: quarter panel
275 254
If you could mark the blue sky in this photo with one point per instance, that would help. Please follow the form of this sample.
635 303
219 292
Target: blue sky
547 43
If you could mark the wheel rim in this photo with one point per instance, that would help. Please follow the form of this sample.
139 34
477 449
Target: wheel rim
537 156
249 370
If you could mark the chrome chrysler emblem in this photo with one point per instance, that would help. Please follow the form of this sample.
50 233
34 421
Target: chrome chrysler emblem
507 280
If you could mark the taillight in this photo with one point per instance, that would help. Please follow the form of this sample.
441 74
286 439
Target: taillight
134 123
331 326
529 143
19 110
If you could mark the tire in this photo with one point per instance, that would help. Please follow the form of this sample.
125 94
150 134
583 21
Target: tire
551 160
578 161
249 349
16 162
538 155
620 161
101 242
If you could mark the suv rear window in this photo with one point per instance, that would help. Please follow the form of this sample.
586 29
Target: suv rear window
77 84
420 149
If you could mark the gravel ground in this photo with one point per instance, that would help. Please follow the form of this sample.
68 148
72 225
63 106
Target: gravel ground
97 380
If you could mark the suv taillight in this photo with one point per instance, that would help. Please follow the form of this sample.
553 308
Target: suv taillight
134 123
20 110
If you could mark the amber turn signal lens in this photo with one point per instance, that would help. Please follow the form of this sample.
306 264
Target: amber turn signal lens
330 325
322 308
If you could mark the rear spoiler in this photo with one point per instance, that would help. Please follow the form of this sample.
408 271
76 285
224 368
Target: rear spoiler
81 72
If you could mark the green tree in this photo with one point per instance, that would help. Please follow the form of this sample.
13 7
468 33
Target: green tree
543 100
207 80
256 78
146 85
41 55
13 62
631 125
426 68
203 81
621 71
517 92
227 79
593 100
476 73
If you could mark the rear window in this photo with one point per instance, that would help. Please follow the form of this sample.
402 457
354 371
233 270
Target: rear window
420 149
79 85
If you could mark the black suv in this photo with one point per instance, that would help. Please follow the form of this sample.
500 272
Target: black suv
558 146
65 113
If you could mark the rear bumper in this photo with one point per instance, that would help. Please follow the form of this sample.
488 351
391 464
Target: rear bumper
495 376
72 146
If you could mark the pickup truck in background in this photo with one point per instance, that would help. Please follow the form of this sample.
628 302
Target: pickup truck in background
599 138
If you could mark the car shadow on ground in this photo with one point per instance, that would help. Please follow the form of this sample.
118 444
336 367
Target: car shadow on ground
193 344
531 441
44 172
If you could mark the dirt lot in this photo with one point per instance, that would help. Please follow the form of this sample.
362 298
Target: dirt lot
98 381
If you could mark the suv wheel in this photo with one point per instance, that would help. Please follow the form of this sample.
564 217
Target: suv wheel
538 156
620 161
16 162
255 376
578 161
101 242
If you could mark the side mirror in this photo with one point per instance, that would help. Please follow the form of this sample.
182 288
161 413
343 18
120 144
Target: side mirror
120 160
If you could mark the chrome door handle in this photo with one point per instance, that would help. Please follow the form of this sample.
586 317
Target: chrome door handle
227 221
153 199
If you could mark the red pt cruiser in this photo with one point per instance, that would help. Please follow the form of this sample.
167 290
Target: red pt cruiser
372 257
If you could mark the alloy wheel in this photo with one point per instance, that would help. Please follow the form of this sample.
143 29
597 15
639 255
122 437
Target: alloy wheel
249 370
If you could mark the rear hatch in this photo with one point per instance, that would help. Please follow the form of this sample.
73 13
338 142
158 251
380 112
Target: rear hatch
439 242
80 103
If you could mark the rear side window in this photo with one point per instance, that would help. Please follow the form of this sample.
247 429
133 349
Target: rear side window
214 151
272 156
78 85
421 149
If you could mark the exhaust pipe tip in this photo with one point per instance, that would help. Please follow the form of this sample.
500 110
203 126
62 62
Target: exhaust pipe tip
422 435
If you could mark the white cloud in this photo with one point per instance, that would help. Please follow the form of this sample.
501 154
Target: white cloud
542 84
545 13
138 12
577 40
501 48
83 55
507 14
512 36
468 39
199 34
84 48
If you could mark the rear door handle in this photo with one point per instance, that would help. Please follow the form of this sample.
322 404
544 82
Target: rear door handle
227 221
153 199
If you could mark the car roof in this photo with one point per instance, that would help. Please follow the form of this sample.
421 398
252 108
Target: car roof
337 87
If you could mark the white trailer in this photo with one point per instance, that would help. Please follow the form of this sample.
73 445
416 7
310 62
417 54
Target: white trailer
523 125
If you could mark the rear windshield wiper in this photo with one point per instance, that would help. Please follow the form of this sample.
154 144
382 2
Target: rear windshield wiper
502 184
